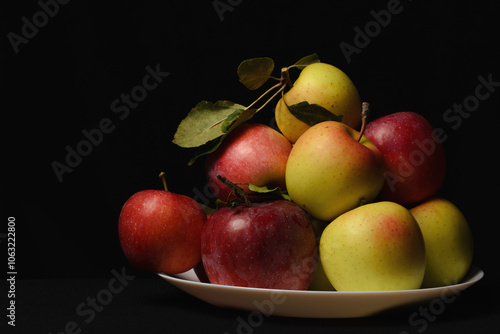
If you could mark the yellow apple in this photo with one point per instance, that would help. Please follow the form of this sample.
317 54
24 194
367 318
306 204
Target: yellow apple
375 247
448 242
321 84
329 172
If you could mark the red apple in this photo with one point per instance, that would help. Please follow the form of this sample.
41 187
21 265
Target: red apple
413 155
252 153
160 231
264 245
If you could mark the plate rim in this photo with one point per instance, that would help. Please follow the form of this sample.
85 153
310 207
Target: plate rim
321 304
474 275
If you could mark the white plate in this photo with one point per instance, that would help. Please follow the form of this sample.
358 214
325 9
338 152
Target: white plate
314 304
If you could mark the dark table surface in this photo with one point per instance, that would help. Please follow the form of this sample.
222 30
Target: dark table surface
152 305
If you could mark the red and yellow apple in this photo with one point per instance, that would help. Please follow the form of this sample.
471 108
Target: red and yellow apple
375 247
413 155
330 172
252 153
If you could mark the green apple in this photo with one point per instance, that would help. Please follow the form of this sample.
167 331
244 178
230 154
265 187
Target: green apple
321 84
448 241
375 247
329 172
319 282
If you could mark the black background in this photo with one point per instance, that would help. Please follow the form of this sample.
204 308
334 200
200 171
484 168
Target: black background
64 79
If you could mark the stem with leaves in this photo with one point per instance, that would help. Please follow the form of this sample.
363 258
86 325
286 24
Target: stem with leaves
236 190
207 124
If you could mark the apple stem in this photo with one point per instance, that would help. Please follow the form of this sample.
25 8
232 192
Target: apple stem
270 89
365 111
285 76
162 176
284 81
272 97
237 190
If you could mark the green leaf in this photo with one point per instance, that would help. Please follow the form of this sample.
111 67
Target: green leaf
307 60
204 123
232 122
253 73
274 191
231 119
312 114
208 210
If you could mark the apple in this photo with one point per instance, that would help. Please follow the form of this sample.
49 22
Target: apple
252 153
375 247
160 231
448 242
330 172
321 84
413 155
264 245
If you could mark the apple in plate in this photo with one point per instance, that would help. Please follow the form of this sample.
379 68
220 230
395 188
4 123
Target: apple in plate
413 155
375 247
330 172
448 242
264 245
252 153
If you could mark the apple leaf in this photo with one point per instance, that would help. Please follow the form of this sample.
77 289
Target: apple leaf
274 191
253 73
208 210
307 60
232 121
312 114
205 123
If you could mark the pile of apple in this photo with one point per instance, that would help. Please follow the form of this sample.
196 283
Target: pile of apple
320 204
